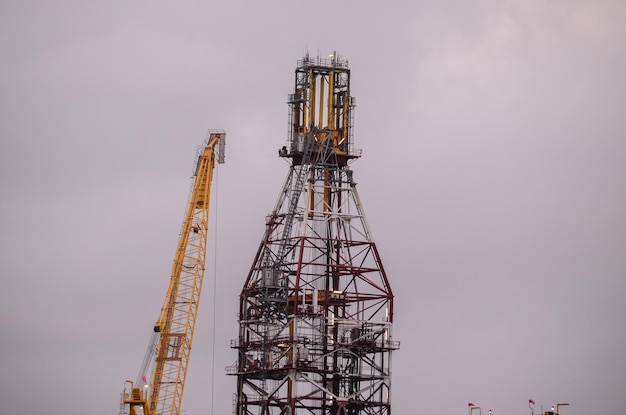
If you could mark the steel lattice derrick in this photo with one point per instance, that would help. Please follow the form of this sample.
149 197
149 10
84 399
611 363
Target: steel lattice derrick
316 309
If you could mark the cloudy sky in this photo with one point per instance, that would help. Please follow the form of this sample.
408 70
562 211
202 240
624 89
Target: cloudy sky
493 176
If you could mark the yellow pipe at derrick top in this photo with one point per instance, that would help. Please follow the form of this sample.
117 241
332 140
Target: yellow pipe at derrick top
321 103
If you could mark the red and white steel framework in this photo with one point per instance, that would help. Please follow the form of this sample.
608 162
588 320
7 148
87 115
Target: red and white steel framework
316 309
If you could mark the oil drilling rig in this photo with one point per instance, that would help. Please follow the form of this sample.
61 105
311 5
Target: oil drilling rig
316 309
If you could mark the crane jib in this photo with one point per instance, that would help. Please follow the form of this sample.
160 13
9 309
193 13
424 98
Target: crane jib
170 343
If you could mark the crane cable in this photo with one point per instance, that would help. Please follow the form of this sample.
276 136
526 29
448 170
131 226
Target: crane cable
215 245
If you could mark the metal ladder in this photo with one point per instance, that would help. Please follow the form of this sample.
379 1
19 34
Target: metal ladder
305 164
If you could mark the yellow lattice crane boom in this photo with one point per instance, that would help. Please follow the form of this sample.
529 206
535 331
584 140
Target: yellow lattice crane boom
170 344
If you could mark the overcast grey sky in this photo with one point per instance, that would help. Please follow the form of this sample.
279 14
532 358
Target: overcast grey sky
493 177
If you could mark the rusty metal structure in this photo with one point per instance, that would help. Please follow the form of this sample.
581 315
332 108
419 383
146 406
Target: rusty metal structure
316 309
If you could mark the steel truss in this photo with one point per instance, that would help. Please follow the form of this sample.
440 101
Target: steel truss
316 309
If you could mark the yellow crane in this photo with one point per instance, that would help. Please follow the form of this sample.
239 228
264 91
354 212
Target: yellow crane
170 343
